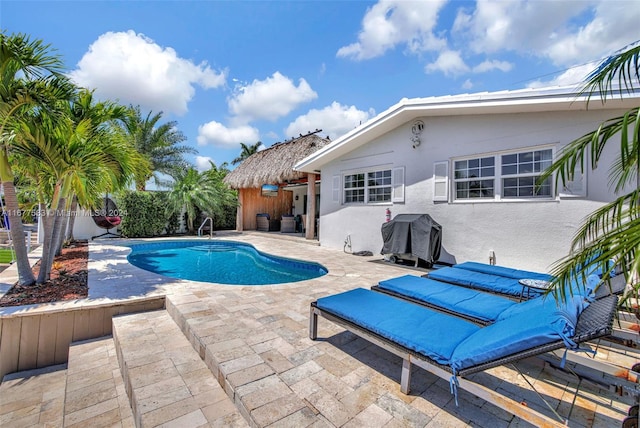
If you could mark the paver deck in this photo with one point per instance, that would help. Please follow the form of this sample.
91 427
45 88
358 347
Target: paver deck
255 341
33 398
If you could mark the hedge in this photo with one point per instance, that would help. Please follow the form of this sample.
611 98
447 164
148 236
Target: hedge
144 214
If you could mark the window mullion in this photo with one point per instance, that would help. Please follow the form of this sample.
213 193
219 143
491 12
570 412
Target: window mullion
498 177
366 187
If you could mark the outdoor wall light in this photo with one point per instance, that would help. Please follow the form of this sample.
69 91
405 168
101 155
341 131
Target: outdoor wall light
416 130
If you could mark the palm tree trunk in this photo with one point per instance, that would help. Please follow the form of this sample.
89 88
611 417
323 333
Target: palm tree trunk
73 212
54 225
64 224
64 227
47 229
59 223
25 273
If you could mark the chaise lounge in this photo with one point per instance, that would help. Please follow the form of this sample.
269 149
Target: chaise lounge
452 348
494 279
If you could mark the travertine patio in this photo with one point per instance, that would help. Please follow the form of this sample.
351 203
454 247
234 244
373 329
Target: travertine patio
243 357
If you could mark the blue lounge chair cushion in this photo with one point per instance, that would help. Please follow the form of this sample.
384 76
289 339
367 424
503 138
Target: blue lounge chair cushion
482 306
523 330
415 327
546 303
504 271
482 281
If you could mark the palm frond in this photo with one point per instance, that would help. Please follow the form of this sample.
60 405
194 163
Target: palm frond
620 70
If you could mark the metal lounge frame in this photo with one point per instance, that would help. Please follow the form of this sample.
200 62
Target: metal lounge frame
604 375
594 322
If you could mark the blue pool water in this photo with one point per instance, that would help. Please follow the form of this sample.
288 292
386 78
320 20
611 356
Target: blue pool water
222 262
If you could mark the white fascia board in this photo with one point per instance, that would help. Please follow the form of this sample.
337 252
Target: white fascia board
504 102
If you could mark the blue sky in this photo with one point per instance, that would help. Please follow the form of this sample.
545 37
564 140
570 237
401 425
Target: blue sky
247 71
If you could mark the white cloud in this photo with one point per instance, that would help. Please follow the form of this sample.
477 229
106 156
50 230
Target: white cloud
133 69
449 63
613 26
396 22
574 76
270 99
217 134
334 120
203 163
468 84
485 66
567 32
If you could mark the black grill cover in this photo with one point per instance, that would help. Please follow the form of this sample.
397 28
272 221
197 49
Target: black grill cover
415 234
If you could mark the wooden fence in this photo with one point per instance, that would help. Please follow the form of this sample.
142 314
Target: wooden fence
40 336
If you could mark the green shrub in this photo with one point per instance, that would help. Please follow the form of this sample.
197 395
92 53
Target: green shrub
144 215
227 221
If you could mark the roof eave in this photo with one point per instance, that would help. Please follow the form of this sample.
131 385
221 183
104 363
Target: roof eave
524 101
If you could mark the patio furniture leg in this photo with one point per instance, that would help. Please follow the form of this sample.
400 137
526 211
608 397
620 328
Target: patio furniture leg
405 378
313 324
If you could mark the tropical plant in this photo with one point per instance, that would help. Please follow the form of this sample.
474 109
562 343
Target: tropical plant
190 191
227 200
246 150
75 155
144 213
203 192
613 230
30 77
158 143
102 118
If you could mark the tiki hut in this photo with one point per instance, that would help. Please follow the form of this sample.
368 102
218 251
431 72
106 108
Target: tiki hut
269 188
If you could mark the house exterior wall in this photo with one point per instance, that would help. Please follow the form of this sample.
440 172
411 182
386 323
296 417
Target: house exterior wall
528 234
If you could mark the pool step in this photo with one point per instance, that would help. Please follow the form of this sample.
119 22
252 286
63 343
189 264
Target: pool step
94 393
253 373
213 248
166 380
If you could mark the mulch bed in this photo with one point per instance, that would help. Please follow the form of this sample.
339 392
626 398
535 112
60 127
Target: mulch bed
68 280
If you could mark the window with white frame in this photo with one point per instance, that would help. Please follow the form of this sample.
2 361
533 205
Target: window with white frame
354 188
371 187
475 178
520 173
379 186
510 175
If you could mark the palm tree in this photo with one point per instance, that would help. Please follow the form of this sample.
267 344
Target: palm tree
71 157
613 230
246 151
191 190
29 76
102 118
226 197
159 144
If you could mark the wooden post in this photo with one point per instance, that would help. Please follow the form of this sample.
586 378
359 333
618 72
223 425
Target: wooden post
239 214
311 207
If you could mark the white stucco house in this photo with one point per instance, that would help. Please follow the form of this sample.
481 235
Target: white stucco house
470 162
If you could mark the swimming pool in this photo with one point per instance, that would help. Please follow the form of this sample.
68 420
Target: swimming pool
222 262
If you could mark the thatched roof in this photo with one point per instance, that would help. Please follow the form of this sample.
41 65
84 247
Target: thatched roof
275 164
